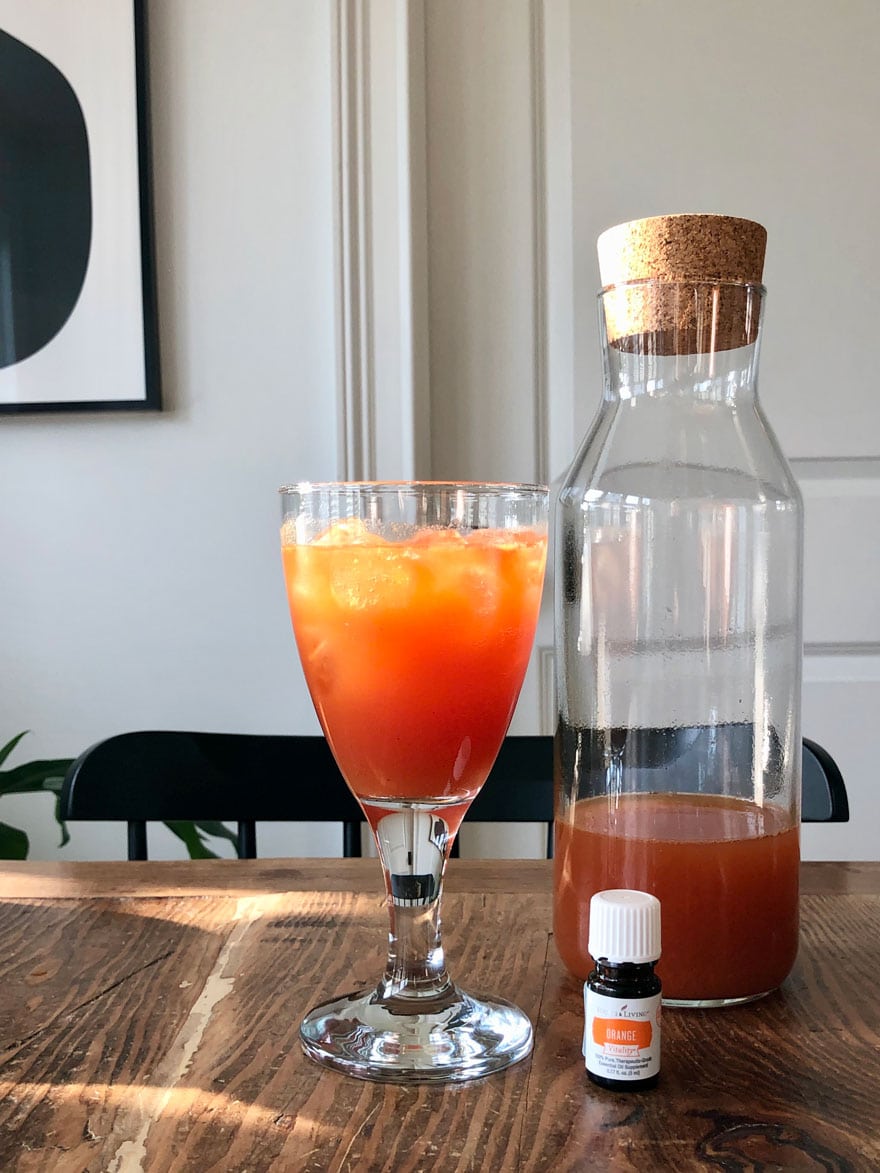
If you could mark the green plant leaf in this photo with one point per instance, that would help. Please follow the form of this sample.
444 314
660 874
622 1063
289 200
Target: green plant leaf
62 826
48 777
13 843
189 833
217 830
34 776
30 778
10 746
54 784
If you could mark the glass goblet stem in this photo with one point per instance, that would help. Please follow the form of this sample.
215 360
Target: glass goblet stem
413 842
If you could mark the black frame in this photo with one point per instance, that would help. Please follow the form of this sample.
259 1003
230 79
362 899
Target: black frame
152 399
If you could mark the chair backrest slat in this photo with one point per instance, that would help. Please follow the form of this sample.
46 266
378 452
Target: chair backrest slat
247 778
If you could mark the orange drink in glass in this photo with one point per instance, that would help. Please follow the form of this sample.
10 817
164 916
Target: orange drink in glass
414 608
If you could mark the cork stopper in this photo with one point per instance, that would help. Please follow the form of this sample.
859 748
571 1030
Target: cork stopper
699 273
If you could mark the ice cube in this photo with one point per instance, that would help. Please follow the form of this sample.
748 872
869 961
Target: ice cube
320 667
373 579
351 531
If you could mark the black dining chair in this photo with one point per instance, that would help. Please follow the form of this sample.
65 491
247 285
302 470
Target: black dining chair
243 778
520 786
166 776
823 791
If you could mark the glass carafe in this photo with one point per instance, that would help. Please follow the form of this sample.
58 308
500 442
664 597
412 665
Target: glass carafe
679 538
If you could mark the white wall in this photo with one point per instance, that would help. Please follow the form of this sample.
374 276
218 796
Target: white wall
768 111
141 583
353 196
551 120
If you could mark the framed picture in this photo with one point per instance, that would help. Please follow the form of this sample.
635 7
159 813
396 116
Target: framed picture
78 325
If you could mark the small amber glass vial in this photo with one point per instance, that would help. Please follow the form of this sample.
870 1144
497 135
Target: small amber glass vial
622 994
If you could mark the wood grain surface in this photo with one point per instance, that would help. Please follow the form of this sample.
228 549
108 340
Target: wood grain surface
158 1031
223 877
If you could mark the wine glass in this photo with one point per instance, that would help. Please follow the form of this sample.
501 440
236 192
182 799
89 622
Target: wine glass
414 607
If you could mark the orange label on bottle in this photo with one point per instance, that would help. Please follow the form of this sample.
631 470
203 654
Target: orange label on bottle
621 1037
622 1032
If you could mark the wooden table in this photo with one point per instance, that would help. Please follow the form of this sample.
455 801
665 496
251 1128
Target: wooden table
149 1013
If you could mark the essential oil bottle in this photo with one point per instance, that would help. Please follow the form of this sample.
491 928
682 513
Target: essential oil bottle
622 994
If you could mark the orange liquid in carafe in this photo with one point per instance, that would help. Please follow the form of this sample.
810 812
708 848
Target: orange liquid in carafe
724 869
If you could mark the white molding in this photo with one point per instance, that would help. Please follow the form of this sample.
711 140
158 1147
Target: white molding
837 468
841 555
841 664
547 715
554 237
537 50
380 225
356 432
838 478
413 178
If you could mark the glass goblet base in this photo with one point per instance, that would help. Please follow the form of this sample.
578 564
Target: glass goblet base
403 1041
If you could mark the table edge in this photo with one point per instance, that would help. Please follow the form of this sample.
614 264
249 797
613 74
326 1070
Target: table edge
57 879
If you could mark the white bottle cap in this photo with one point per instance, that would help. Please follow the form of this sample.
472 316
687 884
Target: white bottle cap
624 926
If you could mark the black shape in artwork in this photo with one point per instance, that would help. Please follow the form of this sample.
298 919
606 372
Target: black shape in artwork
45 200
